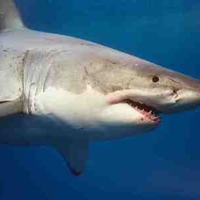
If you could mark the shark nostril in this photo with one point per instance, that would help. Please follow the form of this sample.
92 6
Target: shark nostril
176 95
175 91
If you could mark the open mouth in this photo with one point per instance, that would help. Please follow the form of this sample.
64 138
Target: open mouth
147 111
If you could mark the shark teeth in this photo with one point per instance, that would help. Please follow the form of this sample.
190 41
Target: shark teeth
148 111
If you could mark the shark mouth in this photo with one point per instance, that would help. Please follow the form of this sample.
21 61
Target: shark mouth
147 111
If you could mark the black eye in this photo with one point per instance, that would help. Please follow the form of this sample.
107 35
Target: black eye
155 79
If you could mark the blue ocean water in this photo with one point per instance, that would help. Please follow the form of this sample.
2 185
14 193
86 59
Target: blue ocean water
164 164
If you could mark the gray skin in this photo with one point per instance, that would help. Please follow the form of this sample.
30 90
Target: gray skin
33 62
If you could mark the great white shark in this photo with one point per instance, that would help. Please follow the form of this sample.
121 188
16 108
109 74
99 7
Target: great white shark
86 91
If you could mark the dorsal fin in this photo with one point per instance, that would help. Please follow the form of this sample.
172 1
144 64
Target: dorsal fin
9 16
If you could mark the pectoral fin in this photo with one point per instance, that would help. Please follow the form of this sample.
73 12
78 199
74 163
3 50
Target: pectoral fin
75 152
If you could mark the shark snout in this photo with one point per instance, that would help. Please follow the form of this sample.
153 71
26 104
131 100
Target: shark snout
178 92
188 94
185 99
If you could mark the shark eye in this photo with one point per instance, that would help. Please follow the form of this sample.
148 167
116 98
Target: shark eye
155 79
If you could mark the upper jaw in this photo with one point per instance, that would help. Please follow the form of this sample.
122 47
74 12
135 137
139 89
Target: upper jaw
167 102
148 111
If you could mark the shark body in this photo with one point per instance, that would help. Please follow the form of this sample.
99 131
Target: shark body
83 90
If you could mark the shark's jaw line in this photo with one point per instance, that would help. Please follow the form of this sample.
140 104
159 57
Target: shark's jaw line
144 102
147 111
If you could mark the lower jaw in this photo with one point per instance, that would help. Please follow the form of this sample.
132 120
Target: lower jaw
155 120
148 116
148 112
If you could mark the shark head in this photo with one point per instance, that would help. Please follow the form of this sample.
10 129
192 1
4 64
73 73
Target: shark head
151 89
119 94
143 91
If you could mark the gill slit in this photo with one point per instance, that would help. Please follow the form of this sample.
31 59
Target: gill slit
36 69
